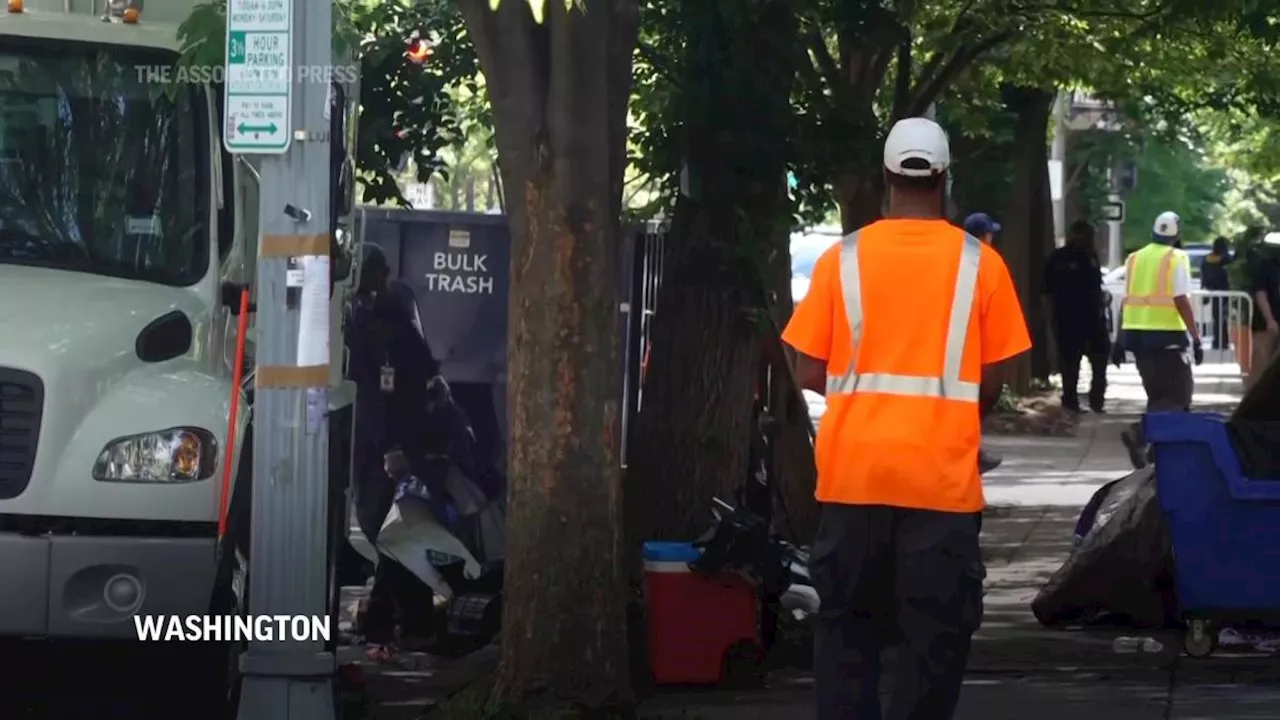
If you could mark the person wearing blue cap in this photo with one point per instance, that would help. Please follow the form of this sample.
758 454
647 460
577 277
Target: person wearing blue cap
981 226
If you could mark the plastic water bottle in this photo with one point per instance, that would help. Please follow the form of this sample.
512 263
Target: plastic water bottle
1125 645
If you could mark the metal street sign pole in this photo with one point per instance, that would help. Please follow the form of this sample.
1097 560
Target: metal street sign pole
284 123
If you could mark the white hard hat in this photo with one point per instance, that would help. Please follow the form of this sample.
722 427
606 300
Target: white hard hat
1272 238
1166 225
917 147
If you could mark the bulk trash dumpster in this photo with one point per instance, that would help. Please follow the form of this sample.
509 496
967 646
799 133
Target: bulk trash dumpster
1224 526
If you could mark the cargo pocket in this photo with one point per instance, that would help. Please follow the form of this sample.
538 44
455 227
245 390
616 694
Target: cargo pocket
972 588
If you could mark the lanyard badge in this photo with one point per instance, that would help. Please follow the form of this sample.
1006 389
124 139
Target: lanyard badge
387 379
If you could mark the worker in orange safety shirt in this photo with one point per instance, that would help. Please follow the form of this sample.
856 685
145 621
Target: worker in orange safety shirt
907 329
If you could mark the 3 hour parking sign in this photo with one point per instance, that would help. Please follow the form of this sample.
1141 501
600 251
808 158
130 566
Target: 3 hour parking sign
259 88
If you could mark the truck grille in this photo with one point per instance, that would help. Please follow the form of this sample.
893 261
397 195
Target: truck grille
21 402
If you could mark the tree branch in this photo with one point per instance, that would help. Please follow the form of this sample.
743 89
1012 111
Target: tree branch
1081 165
657 62
853 56
878 69
515 59
902 83
1067 9
929 89
823 62
957 32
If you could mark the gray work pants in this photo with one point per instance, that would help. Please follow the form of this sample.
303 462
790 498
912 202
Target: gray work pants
1167 380
874 568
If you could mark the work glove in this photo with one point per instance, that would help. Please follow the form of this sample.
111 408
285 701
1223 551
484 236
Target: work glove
1197 352
1117 353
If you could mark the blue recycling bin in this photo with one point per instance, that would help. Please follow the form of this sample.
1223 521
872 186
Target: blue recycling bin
1224 527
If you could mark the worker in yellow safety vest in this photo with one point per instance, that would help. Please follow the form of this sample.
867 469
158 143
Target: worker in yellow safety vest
1156 325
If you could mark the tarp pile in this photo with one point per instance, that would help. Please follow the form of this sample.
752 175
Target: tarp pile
1121 569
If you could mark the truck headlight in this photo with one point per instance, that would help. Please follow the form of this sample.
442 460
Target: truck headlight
176 455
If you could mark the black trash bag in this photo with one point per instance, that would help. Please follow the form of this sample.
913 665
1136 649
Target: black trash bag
740 541
1255 443
1262 402
1103 505
1122 570
1254 427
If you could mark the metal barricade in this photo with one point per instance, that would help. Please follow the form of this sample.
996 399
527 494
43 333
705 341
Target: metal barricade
1224 319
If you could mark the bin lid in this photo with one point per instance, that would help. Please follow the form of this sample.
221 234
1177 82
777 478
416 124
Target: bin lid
670 552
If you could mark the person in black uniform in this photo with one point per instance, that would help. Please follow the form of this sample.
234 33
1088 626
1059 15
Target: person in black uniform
392 367
1213 276
1073 282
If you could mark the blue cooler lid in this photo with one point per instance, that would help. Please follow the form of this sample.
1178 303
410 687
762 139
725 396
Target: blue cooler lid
670 552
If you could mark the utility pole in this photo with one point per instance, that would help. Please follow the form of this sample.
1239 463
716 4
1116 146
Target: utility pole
1116 223
1058 167
281 115
1115 242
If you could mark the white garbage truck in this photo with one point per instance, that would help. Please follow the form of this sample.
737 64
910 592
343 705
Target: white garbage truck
127 233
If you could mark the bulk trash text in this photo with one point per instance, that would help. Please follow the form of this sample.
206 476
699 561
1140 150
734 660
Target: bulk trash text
465 273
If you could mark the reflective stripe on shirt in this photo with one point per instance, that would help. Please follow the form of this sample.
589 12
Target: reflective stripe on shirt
1163 295
948 385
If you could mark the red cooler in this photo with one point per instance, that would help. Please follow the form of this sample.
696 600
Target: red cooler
696 624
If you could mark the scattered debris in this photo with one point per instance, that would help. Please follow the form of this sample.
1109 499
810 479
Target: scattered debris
1261 641
1041 415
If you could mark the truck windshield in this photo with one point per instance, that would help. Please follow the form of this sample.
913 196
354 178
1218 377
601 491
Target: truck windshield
102 164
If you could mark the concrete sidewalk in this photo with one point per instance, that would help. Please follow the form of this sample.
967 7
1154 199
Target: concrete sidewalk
1018 669
1173 694
1035 499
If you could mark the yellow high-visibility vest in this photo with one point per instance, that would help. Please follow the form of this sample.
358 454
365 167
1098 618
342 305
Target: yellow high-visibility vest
1148 298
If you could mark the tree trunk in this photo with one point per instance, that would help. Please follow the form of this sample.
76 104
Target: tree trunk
559 93
694 427
1043 349
793 466
860 196
778 265
1026 234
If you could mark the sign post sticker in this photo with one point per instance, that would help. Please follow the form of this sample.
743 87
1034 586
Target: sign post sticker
1113 211
259 77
